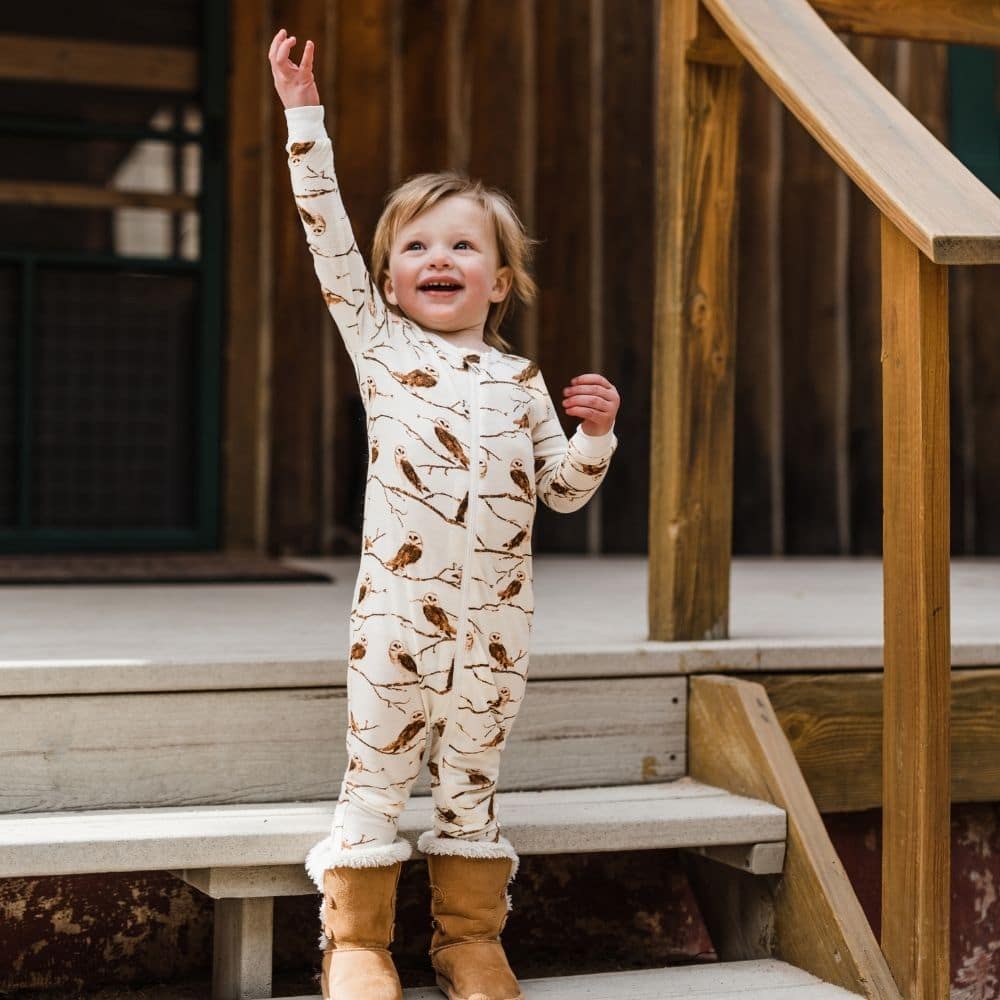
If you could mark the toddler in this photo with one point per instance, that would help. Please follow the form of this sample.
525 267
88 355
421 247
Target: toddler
463 440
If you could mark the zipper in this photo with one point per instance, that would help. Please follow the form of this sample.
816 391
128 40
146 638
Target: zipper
470 541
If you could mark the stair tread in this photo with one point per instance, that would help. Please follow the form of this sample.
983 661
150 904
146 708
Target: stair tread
756 980
682 813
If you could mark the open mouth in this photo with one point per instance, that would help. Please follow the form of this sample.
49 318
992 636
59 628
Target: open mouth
440 289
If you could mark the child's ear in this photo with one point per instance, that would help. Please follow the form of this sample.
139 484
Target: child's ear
390 295
502 284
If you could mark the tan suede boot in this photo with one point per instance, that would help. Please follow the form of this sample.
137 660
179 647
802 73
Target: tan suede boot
359 912
469 904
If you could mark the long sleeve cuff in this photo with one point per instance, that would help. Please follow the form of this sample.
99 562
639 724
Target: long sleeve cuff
305 124
594 445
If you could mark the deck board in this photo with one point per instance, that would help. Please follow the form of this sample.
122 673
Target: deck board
797 613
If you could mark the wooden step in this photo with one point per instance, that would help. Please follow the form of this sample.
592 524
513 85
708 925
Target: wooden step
758 980
684 813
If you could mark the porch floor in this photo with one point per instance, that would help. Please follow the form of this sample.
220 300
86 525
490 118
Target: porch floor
797 613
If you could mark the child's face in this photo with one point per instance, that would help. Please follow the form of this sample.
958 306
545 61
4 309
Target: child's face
449 242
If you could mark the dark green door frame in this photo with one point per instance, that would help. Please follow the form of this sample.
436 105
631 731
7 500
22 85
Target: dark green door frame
210 272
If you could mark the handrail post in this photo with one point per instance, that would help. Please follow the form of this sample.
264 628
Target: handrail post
694 337
917 654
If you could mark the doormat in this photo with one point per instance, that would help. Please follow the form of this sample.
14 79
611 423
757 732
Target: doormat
153 567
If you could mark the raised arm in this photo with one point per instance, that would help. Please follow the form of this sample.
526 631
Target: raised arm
348 290
567 470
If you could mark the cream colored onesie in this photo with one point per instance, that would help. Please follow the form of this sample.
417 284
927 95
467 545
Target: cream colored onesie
462 443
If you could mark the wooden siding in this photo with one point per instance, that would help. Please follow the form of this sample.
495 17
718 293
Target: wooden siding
553 101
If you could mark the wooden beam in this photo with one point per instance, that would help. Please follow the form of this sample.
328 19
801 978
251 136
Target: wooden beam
736 743
691 460
916 549
948 213
55 193
255 164
966 22
242 948
834 725
101 64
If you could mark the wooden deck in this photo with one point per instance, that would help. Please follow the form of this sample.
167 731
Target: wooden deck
794 614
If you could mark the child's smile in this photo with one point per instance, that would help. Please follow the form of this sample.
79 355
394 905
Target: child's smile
444 270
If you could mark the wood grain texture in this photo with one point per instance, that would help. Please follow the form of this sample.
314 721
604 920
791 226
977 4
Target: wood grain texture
916 538
834 725
266 746
968 22
565 131
936 201
758 445
690 515
626 275
251 168
168 68
735 741
298 313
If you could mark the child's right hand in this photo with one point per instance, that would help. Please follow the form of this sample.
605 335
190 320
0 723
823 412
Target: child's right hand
295 85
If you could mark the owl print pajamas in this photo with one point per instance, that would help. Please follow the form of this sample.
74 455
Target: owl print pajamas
462 443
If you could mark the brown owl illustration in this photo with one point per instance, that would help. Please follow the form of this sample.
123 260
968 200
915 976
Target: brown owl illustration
528 372
520 477
498 651
502 698
497 740
332 298
446 815
437 616
478 778
462 508
359 648
522 421
423 378
366 586
400 657
408 732
539 462
439 727
444 435
374 454
404 466
513 543
369 388
315 222
355 764
561 489
514 587
409 552
299 149
469 639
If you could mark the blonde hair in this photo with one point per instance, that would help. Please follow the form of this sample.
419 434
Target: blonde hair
421 192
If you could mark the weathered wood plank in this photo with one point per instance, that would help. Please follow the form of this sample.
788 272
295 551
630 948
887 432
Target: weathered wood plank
916 550
762 980
626 266
947 212
242 948
168 68
558 821
736 742
967 22
251 166
691 463
834 724
124 750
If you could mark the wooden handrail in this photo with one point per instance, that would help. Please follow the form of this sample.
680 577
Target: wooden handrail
928 194
967 22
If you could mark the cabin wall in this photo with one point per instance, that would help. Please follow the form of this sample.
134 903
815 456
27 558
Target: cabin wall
553 101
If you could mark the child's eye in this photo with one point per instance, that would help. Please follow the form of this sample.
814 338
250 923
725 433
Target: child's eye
415 243
466 242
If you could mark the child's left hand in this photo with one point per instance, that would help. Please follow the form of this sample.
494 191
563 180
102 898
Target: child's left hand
594 400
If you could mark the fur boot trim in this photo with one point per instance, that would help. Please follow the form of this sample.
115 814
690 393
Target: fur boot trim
324 855
429 843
